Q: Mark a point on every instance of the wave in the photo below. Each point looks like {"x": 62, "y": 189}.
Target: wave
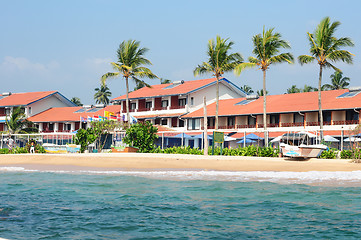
{"x": 311, "y": 177}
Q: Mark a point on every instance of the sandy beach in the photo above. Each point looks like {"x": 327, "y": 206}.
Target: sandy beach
{"x": 143, "y": 161}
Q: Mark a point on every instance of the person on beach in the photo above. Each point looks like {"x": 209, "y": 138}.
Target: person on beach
{"x": 10, "y": 143}
{"x": 32, "y": 147}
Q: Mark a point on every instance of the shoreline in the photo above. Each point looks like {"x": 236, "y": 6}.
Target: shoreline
{"x": 170, "y": 162}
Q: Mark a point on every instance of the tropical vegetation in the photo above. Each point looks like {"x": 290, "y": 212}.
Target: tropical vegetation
{"x": 102, "y": 94}
{"x": 141, "y": 135}
{"x": 266, "y": 49}
{"x": 337, "y": 82}
{"x": 326, "y": 49}
{"x": 247, "y": 89}
{"x": 130, "y": 65}
{"x": 219, "y": 62}
{"x": 17, "y": 123}
{"x": 76, "y": 101}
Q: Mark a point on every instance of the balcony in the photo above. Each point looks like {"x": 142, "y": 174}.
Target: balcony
{"x": 346, "y": 122}
{"x": 144, "y": 109}
{"x": 177, "y": 107}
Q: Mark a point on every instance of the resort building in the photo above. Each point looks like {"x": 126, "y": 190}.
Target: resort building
{"x": 31, "y": 103}
{"x": 165, "y": 104}
{"x": 297, "y": 111}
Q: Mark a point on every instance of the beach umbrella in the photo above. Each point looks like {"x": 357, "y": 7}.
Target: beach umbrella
{"x": 247, "y": 141}
{"x": 182, "y": 135}
{"x": 329, "y": 138}
{"x": 253, "y": 136}
{"x": 200, "y": 136}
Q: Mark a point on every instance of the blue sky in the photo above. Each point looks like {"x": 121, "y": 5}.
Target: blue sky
{"x": 67, "y": 45}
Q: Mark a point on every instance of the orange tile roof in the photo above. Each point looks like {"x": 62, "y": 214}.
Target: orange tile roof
{"x": 296, "y": 102}
{"x": 23, "y": 99}
{"x": 162, "y": 90}
{"x": 63, "y": 114}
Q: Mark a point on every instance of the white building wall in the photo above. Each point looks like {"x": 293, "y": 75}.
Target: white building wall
{"x": 44, "y": 104}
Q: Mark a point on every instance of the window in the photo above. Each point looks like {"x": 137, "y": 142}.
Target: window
{"x": 133, "y": 106}
{"x": 349, "y": 94}
{"x": 275, "y": 118}
{"x": 164, "y": 103}
{"x": 211, "y": 121}
{"x": 244, "y": 102}
{"x": 7, "y": 111}
{"x": 193, "y": 124}
{"x": 148, "y": 105}
{"x": 29, "y": 110}
{"x": 182, "y": 102}
{"x": 192, "y": 101}
{"x": 231, "y": 121}
{"x": 51, "y": 126}
{"x": 164, "y": 121}
{"x": 326, "y": 116}
{"x": 297, "y": 118}
{"x": 351, "y": 115}
{"x": 251, "y": 120}
{"x": 181, "y": 123}
{"x": 67, "y": 126}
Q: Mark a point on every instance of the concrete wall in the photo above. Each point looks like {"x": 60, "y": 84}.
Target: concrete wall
{"x": 311, "y": 117}
{"x": 42, "y": 105}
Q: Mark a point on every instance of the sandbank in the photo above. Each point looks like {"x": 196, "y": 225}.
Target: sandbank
{"x": 147, "y": 162}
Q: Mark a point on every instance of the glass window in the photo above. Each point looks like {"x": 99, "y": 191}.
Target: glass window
{"x": 251, "y": 120}
{"x": 181, "y": 123}
{"x": 231, "y": 121}
{"x": 182, "y": 102}
{"x": 133, "y": 106}
{"x": 148, "y": 105}
{"x": 192, "y": 101}
{"x": 193, "y": 124}
{"x": 164, "y": 103}
{"x": 164, "y": 121}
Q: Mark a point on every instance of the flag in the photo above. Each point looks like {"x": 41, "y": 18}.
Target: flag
{"x": 112, "y": 117}
{"x": 107, "y": 114}
{"x": 133, "y": 119}
{"x": 83, "y": 119}
{"x": 96, "y": 118}
{"x": 90, "y": 119}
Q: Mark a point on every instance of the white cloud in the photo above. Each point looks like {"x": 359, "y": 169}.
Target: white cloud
{"x": 14, "y": 64}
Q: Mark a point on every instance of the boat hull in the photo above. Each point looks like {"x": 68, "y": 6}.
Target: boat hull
{"x": 306, "y": 151}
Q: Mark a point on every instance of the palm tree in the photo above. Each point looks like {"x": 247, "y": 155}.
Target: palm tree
{"x": 308, "y": 88}
{"x": 130, "y": 64}
{"x": 338, "y": 82}
{"x": 76, "y": 101}
{"x": 293, "y": 89}
{"x": 260, "y": 92}
{"x": 102, "y": 95}
{"x": 326, "y": 48}
{"x": 267, "y": 51}
{"x": 164, "y": 81}
{"x": 247, "y": 89}
{"x": 18, "y": 122}
{"x": 219, "y": 61}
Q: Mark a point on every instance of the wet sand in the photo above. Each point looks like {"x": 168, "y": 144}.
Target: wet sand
{"x": 146, "y": 162}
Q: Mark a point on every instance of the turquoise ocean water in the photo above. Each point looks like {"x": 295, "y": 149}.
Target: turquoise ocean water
{"x": 179, "y": 205}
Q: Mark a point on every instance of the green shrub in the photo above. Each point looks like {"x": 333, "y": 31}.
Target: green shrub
{"x": 329, "y": 154}
{"x": 346, "y": 154}
{"x": 142, "y": 136}
{"x": 19, "y": 150}
{"x": 4, "y": 151}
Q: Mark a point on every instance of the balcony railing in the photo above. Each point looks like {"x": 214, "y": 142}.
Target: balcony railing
{"x": 346, "y": 122}
{"x": 144, "y": 109}
{"x": 177, "y": 107}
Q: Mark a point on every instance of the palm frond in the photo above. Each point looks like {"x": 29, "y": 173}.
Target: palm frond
{"x": 304, "y": 59}
{"x": 240, "y": 67}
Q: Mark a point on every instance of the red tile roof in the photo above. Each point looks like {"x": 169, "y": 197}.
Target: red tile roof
{"x": 296, "y": 102}
{"x": 23, "y": 99}
{"x": 162, "y": 90}
{"x": 64, "y": 114}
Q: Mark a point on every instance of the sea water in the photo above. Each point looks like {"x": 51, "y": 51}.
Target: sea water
{"x": 179, "y": 205}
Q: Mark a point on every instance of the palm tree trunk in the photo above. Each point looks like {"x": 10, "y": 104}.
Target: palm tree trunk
{"x": 264, "y": 109}
{"x": 319, "y": 103}
{"x": 127, "y": 100}
{"x": 217, "y": 102}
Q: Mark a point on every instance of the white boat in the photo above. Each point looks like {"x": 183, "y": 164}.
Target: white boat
{"x": 301, "y": 145}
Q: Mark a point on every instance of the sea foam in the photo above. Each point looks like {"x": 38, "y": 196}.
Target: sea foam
{"x": 311, "y": 177}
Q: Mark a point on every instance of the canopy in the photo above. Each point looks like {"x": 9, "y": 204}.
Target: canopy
{"x": 200, "y": 136}
{"x": 227, "y": 139}
{"x": 352, "y": 139}
{"x": 276, "y": 139}
{"x": 253, "y": 136}
{"x": 329, "y": 138}
{"x": 247, "y": 141}
{"x": 182, "y": 135}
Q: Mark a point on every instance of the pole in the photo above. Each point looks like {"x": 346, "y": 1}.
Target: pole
{"x": 342, "y": 139}
{"x": 205, "y": 134}
{"x": 162, "y": 140}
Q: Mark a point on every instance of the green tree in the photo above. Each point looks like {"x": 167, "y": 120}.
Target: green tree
{"x": 76, "y": 101}
{"x": 104, "y": 128}
{"x": 308, "y": 88}
{"x": 130, "y": 64}
{"x": 260, "y": 92}
{"x": 164, "y": 81}
{"x": 18, "y": 122}
{"x": 293, "y": 89}
{"x": 325, "y": 48}
{"x": 267, "y": 51}
{"x": 84, "y": 137}
{"x": 337, "y": 81}
{"x": 142, "y": 136}
{"x": 102, "y": 94}
{"x": 219, "y": 61}
{"x": 247, "y": 89}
